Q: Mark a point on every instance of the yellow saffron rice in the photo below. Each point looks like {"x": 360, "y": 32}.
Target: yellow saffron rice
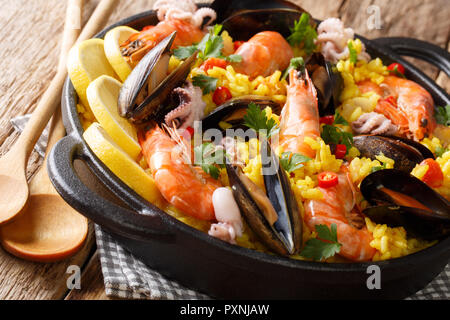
{"x": 389, "y": 242}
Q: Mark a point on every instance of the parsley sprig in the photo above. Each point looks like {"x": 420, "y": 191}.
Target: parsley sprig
{"x": 335, "y": 135}
{"x": 210, "y": 158}
{"x": 206, "y": 83}
{"x": 324, "y": 246}
{"x": 303, "y": 33}
{"x": 296, "y": 63}
{"x": 353, "y": 53}
{"x": 439, "y": 151}
{"x": 378, "y": 168}
{"x": 291, "y": 162}
{"x": 442, "y": 115}
{"x": 211, "y": 46}
{"x": 257, "y": 120}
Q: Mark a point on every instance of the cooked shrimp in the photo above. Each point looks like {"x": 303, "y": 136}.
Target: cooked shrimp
{"x": 406, "y": 104}
{"x": 139, "y": 44}
{"x": 300, "y": 119}
{"x": 186, "y": 187}
{"x": 264, "y": 54}
{"x": 336, "y": 208}
{"x": 300, "y": 115}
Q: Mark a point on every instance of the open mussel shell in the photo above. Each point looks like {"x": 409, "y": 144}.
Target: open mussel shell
{"x": 283, "y": 236}
{"x": 232, "y": 112}
{"x": 328, "y": 82}
{"x": 432, "y": 221}
{"x": 148, "y": 86}
{"x": 406, "y": 153}
{"x": 227, "y": 8}
{"x": 245, "y": 24}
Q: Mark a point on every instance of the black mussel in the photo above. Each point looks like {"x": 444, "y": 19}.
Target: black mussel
{"x": 272, "y": 215}
{"x": 245, "y": 24}
{"x": 148, "y": 86}
{"x": 399, "y": 199}
{"x": 406, "y": 153}
{"x": 426, "y": 153}
{"x": 227, "y": 8}
{"x": 328, "y": 82}
{"x": 231, "y": 114}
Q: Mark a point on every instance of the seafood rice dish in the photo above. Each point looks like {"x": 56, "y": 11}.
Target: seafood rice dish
{"x": 275, "y": 134}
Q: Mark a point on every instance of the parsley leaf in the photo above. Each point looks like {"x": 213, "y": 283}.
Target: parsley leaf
{"x": 296, "y": 63}
{"x": 291, "y": 162}
{"x": 233, "y": 58}
{"x": 442, "y": 115}
{"x": 207, "y": 84}
{"x": 338, "y": 119}
{"x": 334, "y": 135}
{"x": 208, "y": 156}
{"x": 211, "y": 46}
{"x": 256, "y": 119}
{"x": 184, "y": 52}
{"x": 353, "y": 53}
{"x": 378, "y": 168}
{"x": 318, "y": 249}
{"x": 439, "y": 151}
{"x": 303, "y": 33}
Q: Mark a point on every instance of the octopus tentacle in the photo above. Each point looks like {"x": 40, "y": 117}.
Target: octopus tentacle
{"x": 191, "y": 107}
{"x": 184, "y": 10}
{"x": 333, "y": 37}
{"x": 374, "y": 123}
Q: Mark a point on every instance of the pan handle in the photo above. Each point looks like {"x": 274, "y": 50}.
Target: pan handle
{"x": 418, "y": 49}
{"x": 141, "y": 226}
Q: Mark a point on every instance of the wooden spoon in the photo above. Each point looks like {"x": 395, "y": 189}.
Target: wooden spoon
{"x": 13, "y": 182}
{"x": 48, "y": 229}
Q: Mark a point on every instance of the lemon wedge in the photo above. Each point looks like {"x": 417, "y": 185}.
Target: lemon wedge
{"x": 113, "y": 40}
{"x": 86, "y": 62}
{"x": 120, "y": 163}
{"x": 102, "y": 95}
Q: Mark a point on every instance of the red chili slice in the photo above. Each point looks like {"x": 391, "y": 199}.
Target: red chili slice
{"x": 237, "y": 44}
{"x": 341, "y": 151}
{"x": 213, "y": 62}
{"x": 327, "y": 120}
{"x": 328, "y": 180}
{"x": 190, "y": 130}
{"x": 221, "y": 95}
{"x": 397, "y": 67}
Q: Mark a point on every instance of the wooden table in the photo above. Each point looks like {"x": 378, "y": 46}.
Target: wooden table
{"x": 31, "y": 30}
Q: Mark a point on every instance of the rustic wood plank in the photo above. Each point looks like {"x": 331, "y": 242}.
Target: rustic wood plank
{"x": 24, "y": 280}
{"x": 92, "y": 287}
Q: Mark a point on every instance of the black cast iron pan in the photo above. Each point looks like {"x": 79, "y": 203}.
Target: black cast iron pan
{"x": 219, "y": 269}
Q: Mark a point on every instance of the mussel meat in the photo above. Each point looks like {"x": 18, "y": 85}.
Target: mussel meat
{"x": 273, "y": 215}
{"x": 328, "y": 82}
{"x": 232, "y": 112}
{"x": 399, "y": 199}
{"x": 406, "y": 153}
{"x": 148, "y": 86}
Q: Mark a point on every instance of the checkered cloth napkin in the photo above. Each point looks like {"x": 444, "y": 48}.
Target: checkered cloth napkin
{"x": 125, "y": 276}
